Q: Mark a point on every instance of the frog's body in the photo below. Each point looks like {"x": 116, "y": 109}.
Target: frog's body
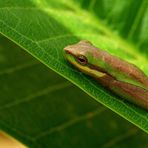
{"x": 120, "y": 76}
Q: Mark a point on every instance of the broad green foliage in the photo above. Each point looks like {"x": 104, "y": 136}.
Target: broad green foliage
{"x": 41, "y": 109}
{"x": 38, "y": 106}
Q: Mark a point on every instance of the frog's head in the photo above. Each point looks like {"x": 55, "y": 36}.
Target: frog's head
{"x": 82, "y": 53}
{"x": 83, "y": 56}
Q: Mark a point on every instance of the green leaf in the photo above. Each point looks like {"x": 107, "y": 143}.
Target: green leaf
{"x": 41, "y": 109}
{"x": 44, "y": 28}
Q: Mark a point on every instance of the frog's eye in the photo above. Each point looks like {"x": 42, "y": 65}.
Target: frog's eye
{"x": 82, "y": 59}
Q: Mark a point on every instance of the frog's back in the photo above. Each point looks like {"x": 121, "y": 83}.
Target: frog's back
{"x": 126, "y": 68}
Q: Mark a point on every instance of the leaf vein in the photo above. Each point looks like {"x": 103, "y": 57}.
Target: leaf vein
{"x": 18, "y": 67}
{"x": 120, "y": 138}
{"x": 35, "y": 95}
{"x": 68, "y": 124}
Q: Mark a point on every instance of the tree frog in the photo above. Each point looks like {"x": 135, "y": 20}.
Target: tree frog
{"x": 121, "y": 77}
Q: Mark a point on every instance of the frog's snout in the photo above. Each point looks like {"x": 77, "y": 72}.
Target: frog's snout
{"x": 67, "y": 49}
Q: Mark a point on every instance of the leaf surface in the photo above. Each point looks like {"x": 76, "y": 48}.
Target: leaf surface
{"x": 44, "y": 28}
{"x": 41, "y": 109}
